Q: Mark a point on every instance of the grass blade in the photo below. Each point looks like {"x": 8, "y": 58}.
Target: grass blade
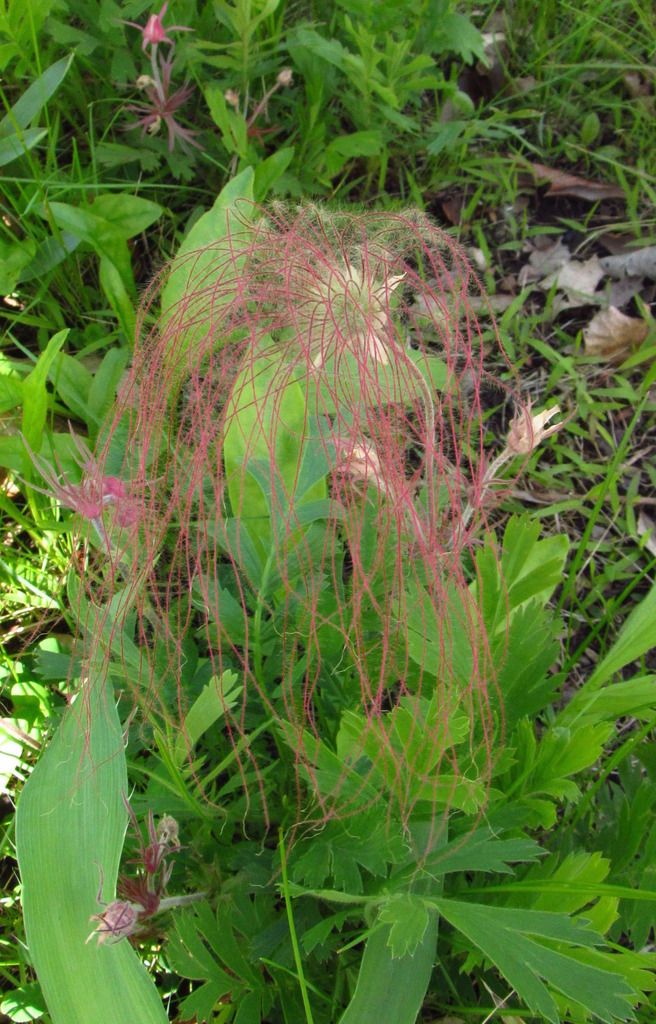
{"x": 392, "y": 988}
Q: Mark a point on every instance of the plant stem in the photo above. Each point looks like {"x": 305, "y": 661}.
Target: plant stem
{"x": 180, "y": 901}
{"x": 292, "y": 932}
{"x": 257, "y": 618}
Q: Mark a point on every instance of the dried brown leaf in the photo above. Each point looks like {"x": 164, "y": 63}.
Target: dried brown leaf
{"x": 452, "y": 209}
{"x": 611, "y": 335}
{"x": 636, "y": 86}
{"x": 579, "y": 279}
{"x": 638, "y": 263}
{"x": 543, "y": 260}
{"x": 618, "y": 293}
{"x": 562, "y": 184}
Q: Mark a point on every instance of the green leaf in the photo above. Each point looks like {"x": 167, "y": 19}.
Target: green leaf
{"x": 70, "y": 826}
{"x": 118, "y": 286}
{"x": 203, "y": 948}
{"x": 72, "y": 382}
{"x": 35, "y": 394}
{"x": 49, "y": 254}
{"x": 232, "y": 209}
{"x": 417, "y": 734}
{"x": 108, "y": 239}
{"x": 268, "y": 171}
{"x": 545, "y": 769}
{"x": 105, "y": 385}
{"x": 23, "y": 1004}
{"x": 440, "y": 636}
{"x": 456, "y": 34}
{"x": 635, "y": 639}
{"x": 15, "y": 255}
{"x": 190, "y": 957}
{"x": 18, "y": 145}
{"x": 530, "y": 569}
{"x": 267, "y": 422}
{"x": 329, "y": 50}
{"x": 348, "y": 147}
{"x": 217, "y": 697}
{"x": 392, "y": 988}
{"x": 483, "y": 851}
{"x": 635, "y": 697}
{"x": 129, "y": 215}
{"x": 520, "y": 944}
{"x": 342, "y": 850}
{"x": 524, "y": 657}
{"x": 34, "y": 99}
{"x": 408, "y": 918}
{"x": 11, "y": 392}
{"x": 231, "y": 123}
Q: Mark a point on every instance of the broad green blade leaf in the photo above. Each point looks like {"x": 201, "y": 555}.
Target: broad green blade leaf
{"x": 483, "y": 851}
{"x": 70, "y": 826}
{"x": 537, "y": 951}
{"x": 217, "y": 697}
{"x": 34, "y": 99}
{"x": 129, "y": 215}
{"x": 267, "y": 424}
{"x": 17, "y": 145}
{"x": 108, "y": 240}
{"x": 636, "y": 697}
{"x": 231, "y": 209}
{"x": 268, "y": 171}
{"x": 35, "y": 395}
{"x": 392, "y": 988}
{"x": 637, "y": 636}
{"x": 113, "y": 283}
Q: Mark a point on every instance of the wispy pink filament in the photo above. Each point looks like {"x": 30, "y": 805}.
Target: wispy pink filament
{"x": 355, "y": 311}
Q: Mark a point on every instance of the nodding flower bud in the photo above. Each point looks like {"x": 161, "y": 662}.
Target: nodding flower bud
{"x": 285, "y": 78}
{"x": 362, "y": 463}
{"x": 144, "y": 82}
{"x": 528, "y": 429}
{"x": 117, "y": 920}
{"x": 167, "y": 833}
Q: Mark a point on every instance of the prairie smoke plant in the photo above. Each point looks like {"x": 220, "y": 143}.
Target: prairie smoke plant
{"x": 162, "y": 105}
{"x": 142, "y": 896}
{"x": 314, "y": 422}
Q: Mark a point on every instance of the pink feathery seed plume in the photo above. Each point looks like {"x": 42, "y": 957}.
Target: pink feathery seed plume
{"x": 332, "y": 362}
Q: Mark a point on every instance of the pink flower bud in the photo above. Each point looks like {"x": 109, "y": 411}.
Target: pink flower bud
{"x": 154, "y": 33}
{"x": 117, "y": 920}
